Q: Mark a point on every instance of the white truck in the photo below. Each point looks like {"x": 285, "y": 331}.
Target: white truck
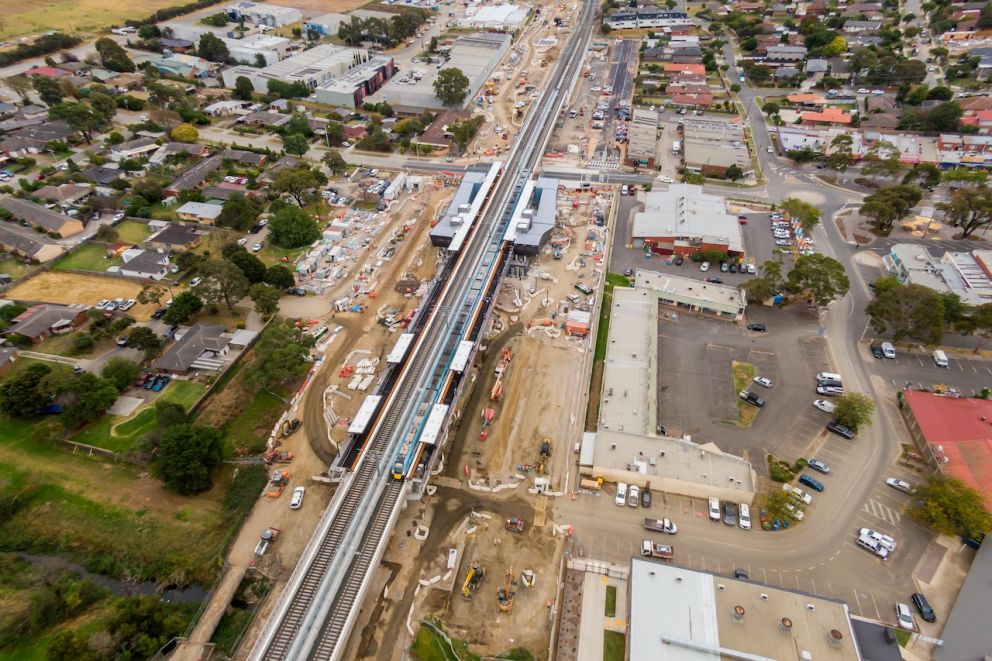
{"x": 662, "y": 551}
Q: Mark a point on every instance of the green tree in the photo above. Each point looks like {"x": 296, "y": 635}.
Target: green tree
{"x": 120, "y": 371}
{"x": 969, "y": 209}
{"x": 889, "y": 204}
{"x": 140, "y": 626}
{"x": 112, "y": 56}
{"x": 854, "y": 410}
{"x": 463, "y": 132}
{"x": 280, "y": 355}
{"x": 297, "y": 124}
{"x": 965, "y": 176}
{"x": 734, "y": 172}
{"x": 948, "y": 506}
{"x": 977, "y": 323}
{"x": 807, "y": 214}
{"x": 279, "y": 277}
{"x": 335, "y": 163}
{"x": 187, "y": 456}
{"x": 243, "y": 89}
{"x": 941, "y": 93}
{"x": 291, "y": 227}
{"x": 294, "y": 143}
{"x": 239, "y": 213}
{"x": 916, "y": 95}
{"x": 768, "y": 284}
{"x": 222, "y": 281}
{"x": 451, "y": 86}
{"x": 103, "y": 105}
{"x": 882, "y": 159}
{"x": 839, "y": 161}
{"x": 820, "y": 278}
{"x": 771, "y": 108}
{"x": 299, "y": 183}
{"x": 184, "y": 306}
{"x": 86, "y": 398}
{"x": 152, "y": 294}
{"x": 925, "y": 174}
{"x": 144, "y": 338}
{"x": 910, "y": 311}
{"x": 266, "y": 299}
{"x": 22, "y": 395}
{"x": 185, "y": 133}
{"x": 78, "y": 116}
{"x": 251, "y": 266}
{"x": 212, "y": 48}
{"x": 954, "y": 308}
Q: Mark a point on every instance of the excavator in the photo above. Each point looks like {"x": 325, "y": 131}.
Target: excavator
{"x": 545, "y": 455}
{"x": 473, "y": 578}
{"x": 504, "y": 596}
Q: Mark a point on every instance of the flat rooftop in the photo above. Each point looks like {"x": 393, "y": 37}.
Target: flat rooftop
{"x": 685, "y": 211}
{"x": 629, "y": 369}
{"x": 679, "y": 288}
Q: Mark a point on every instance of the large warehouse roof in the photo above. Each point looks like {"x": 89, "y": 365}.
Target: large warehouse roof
{"x": 685, "y": 211}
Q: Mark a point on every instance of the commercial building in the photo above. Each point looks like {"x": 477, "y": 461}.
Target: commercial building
{"x": 966, "y": 634}
{"x": 270, "y": 47}
{"x": 684, "y": 221}
{"x": 645, "y": 17}
{"x": 534, "y": 220}
{"x": 40, "y": 216}
{"x": 495, "y": 17}
{"x": 691, "y": 295}
{"x": 326, "y": 25}
{"x": 273, "y": 16}
{"x": 642, "y": 138}
{"x": 351, "y": 88}
{"x": 476, "y": 55}
{"x": 968, "y": 275}
{"x": 954, "y": 436}
{"x": 712, "y": 146}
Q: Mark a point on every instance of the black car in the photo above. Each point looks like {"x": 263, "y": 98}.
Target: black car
{"x": 730, "y": 513}
{"x": 741, "y": 573}
{"x": 876, "y": 351}
{"x": 758, "y": 328}
{"x": 733, "y": 268}
{"x": 297, "y": 291}
{"x": 715, "y": 281}
{"x": 922, "y": 605}
{"x": 158, "y": 314}
{"x": 840, "y": 429}
{"x": 678, "y": 261}
{"x": 752, "y": 399}
{"x": 645, "y": 497}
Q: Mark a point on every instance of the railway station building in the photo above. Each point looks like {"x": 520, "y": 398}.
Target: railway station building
{"x": 456, "y": 216}
{"x": 533, "y": 223}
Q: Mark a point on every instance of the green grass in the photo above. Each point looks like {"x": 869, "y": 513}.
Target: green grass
{"x": 273, "y": 255}
{"x": 743, "y": 375}
{"x": 251, "y": 428}
{"x": 230, "y": 628}
{"x": 133, "y": 231}
{"x": 611, "y": 601}
{"x": 139, "y": 424}
{"x": 87, "y": 257}
{"x": 614, "y": 646}
{"x": 902, "y": 636}
{"x": 13, "y": 267}
{"x": 184, "y": 393}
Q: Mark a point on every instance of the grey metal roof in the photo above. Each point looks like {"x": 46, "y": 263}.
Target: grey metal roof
{"x": 544, "y": 206}
{"x": 872, "y": 642}
{"x": 28, "y": 245}
{"x": 174, "y": 235}
{"x": 198, "y": 339}
{"x": 35, "y": 214}
{"x": 445, "y": 229}
{"x": 967, "y": 635}
{"x": 194, "y": 176}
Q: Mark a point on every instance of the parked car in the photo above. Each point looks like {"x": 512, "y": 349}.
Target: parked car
{"x": 297, "y": 501}
{"x": 705, "y": 266}
{"x": 646, "y": 497}
{"x": 888, "y": 350}
{"x": 818, "y": 466}
{"x": 763, "y": 381}
{"x": 634, "y": 495}
{"x": 757, "y": 327}
{"x": 752, "y": 398}
{"x": 887, "y": 541}
{"x": 730, "y": 513}
{"x": 829, "y": 391}
{"x": 873, "y": 546}
{"x": 923, "y": 606}
{"x": 297, "y": 291}
{"x": 839, "y": 429}
{"x": 744, "y": 516}
{"x": 142, "y": 380}
{"x": 876, "y": 351}
{"x": 714, "y": 508}
{"x": 256, "y": 247}
{"x": 824, "y": 405}
{"x": 904, "y": 618}
{"x": 714, "y": 280}
{"x": 158, "y": 314}
{"x": 195, "y": 282}
{"x": 812, "y": 483}
{"x": 900, "y": 485}
{"x": 102, "y": 305}
{"x": 621, "y": 498}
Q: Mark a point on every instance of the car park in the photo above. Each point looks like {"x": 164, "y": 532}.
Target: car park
{"x": 899, "y": 485}
{"x": 839, "y": 429}
{"x": 923, "y": 607}
{"x": 904, "y": 618}
{"x": 621, "y": 499}
{"x": 297, "y": 501}
{"x": 886, "y": 541}
{"x": 714, "y": 508}
{"x": 730, "y": 513}
{"x": 810, "y": 482}
{"x": 744, "y": 516}
{"x": 781, "y": 242}
{"x": 763, "y": 381}
{"x": 824, "y": 405}
{"x": 818, "y": 466}
{"x": 757, "y": 327}
{"x": 634, "y": 495}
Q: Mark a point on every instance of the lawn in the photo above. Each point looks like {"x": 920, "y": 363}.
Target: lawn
{"x": 133, "y": 231}
{"x": 28, "y": 17}
{"x": 743, "y": 375}
{"x": 13, "y": 267}
{"x": 184, "y": 393}
{"x": 252, "y": 426}
{"x": 611, "y": 601}
{"x": 614, "y": 646}
{"x": 87, "y": 257}
{"x": 271, "y": 254}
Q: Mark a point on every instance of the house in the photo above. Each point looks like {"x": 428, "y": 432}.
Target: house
{"x": 785, "y": 73}
{"x": 197, "y": 347}
{"x": 225, "y": 108}
{"x": 200, "y": 212}
{"x": 43, "y": 217}
{"x": 7, "y": 110}
{"x": 817, "y": 65}
{"x": 132, "y": 149}
{"x": 101, "y": 175}
{"x": 195, "y": 175}
{"x": 183, "y": 149}
{"x": 827, "y": 116}
{"x": 437, "y": 136}
{"x": 265, "y": 118}
{"x": 40, "y": 322}
{"x": 243, "y": 157}
{"x": 693, "y": 70}
{"x": 183, "y": 66}
{"x": 880, "y": 122}
{"x": 785, "y": 54}
{"x": 47, "y": 72}
{"x": 287, "y": 161}
{"x": 144, "y": 264}
{"x": 176, "y": 45}
{"x": 28, "y": 244}
{"x": 64, "y": 194}
{"x": 32, "y": 135}
{"x": 174, "y": 238}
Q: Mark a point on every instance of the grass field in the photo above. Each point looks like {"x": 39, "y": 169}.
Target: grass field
{"x": 23, "y": 17}
{"x": 13, "y": 267}
{"x": 743, "y": 375}
{"x": 252, "y": 427}
{"x": 87, "y": 257}
{"x": 65, "y": 288}
{"x": 132, "y": 231}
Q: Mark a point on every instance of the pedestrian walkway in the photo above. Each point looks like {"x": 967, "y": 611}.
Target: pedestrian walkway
{"x": 196, "y": 646}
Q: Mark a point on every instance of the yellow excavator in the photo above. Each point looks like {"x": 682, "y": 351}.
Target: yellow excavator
{"x": 473, "y": 578}
{"x": 504, "y": 596}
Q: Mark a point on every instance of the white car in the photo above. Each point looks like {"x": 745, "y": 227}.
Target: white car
{"x": 899, "y": 485}
{"x": 863, "y": 91}
{"x": 888, "y": 350}
{"x": 705, "y": 266}
{"x": 665, "y": 179}
{"x": 242, "y": 241}
{"x": 128, "y": 304}
{"x": 634, "y": 496}
{"x": 621, "y": 498}
{"x": 888, "y": 542}
{"x": 119, "y": 216}
{"x": 111, "y": 306}
{"x": 796, "y": 514}
{"x": 824, "y": 405}
{"x": 297, "y": 501}
{"x": 770, "y": 149}
{"x": 195, "y": 282}
{"x": 763, "y": 381}
{"x": 873, "y": 546}
{"x": 374, "y": 172}
{"x": 781, "y": 242}
{"x": 744, "y": 516}
{"x": 798, "y": 494}
{"x": 904, "y": 617}
{"x": 256, "y": 247}
{"x": 714, "y": 508}
{"x": 102, "y": 305}
{"x": 752, "y": 269}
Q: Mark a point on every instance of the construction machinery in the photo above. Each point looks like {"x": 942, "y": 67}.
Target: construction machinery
{"x": 515, "y": 524}
{"x": 504, "y": 595}
{"x": 277, "y": 456}
{"x": 278, "y": 482}
{"x": 527, "y": 578}
{"x": 290, "y": 426}
{"x": 268, "y": 536}
{"x": 545, "y": 454}
{"x": 473, "y": 579}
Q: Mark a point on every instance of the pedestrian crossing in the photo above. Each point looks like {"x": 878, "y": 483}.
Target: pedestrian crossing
{"x": 883, "y": 512}
{"x": 603, "y": 165}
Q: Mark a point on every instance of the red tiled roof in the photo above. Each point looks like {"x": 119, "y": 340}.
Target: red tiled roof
{"x": 962, "y": 427}
{"x": 48, "y": 72}
{"x": 830, "y": 115}
{"x": 695, "y": 69}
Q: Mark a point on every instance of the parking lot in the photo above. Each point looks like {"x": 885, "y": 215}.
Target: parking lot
{"x": 916, "y": 369}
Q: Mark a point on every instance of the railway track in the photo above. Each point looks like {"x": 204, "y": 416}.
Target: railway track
{"x": 314, "y": 618}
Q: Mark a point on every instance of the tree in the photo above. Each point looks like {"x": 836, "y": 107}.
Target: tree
{"x": 854, "y": 409}
{"x": 222, "y": 281}
{"x": 768, "y": 284}
{"x": 882, "y": 159}
{"x": 120, "y": 371}
{"x": 821, "y": 278}
{"x": 965, "y": 176}
{"x": 86, "y": 397}
{"x": 251, "y": 266}
{"x": 978, "y": 323}
{"x": 212, "y": 48}
{"x": 297, "y": 182}
{"x": 78, "y": 116}
{"x": 185, "y": 133}
{"x": 243, "y": 89}
{"x": 22, "y": 395}
{"x": 463, "y": 132}
{"x": 294, "y": 143}
{"x": 103, "y": 105}
{"x": 969, "y": 209}
{"x": 112, "y": 56}
{"x": 771, "y": 108}
{"x": 734, "y": 172}
{"x": 807, "y": 214}
{"x": 184, "y": 306}
{"x": 451, "y": 86}
{"x": 239, "y": 213}
{"x": 280, "y": 355}
{"x": 948, "y": 506}
{"x": 941, "y": 93}
{"x": 279, "y": 277}
{"x": 926, "y": 174}
{"x": 297, "y": 124}
{"x": 151, "y": 294}
{"x": 187, "y": 456}
{"x": 839, "y": 161}
{"x": 889, "y": 204}
{"x": 292, "y": 228}
{"x": 335, "y": 163}
{"x": 144, "y": 338}
{"x": 910, "y": 311}
{"x": 48, "y": 89}
{"x": 22, "y": 86}
{"x": 266, "y": 299}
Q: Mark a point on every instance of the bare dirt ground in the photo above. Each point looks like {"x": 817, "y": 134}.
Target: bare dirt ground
{"x": 69, "y": 288}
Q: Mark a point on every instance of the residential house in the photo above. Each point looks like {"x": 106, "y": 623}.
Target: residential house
{"x": 28, "y": 244}
{"x": 225, "y": 108}
{"x": 826, "y": 117}
{"x": 47, "y": 72}
{"x": 816, "y": 66}
{"x": 65, "y": 194}
{"x": 40, "y": 322}
{"x": 265, "y": 118}
{"x": 785, "y": 73}
{"x": 856, "y": 27}
{"x": 33, "y": 136}
{"x": 201, "y": 346}
{"x": 243, "y": 157}
{"x": 437, "y": 136}
{"x": 7, "y": 357}
{"x": 692, "y": 70}
{"x": 200, "y": 212}
{"x": 195, "y": 175}
{"x": 174, "y": 238}
{"x": 287, "y": 161}
{"x": 791, "y": 54}
{"x": 104, "y": 176}
{"x": 144, "y": 264}
{"x": 43, "y": 217}
{"x": 183, "y": 149}
{"x": 840, "y": 68}
{"x": 354, "y": 132}
{"x": 880, "y": 122}
{"x": 7, "y": 110}
{"x": 133, "y": 149}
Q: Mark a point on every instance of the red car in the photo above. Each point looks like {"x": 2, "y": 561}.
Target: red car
{"x": 142, "y": 379}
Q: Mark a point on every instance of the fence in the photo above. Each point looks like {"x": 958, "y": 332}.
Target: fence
{"x": 92, "y": 450}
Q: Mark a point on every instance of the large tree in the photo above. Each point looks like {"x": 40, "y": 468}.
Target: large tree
{"x": 184, "y": 305}
{"x": 279, "y": 277}
{"x": 978, "y": 323}
{"x": 78, "y": 116}
{"x": 854, "y": 409}
{"x": 112, "y": 56}
{"x": 243, "y": 89}
{"x": 882, "y": 159}
{"x": 295, "y": 143}
{"x": 187, "y": 456}
{"x": 969, "y": 208}
{"x": 889, "y": 204}
{"x": 266, "y": 299}
{"x": 293, "y": 228}
{"x": 103, "y": 105}
{"x": 21, "y": 396}
{"x": 223, "y": 282}
{"x": 768, "y": 284}
{"x": 185, "y": 133}
{"x": 120, "y": 371}
{"x": 212, "y": 48}
{"x": 252, "y": 267}
{"x": 280, "y": 355}
{"x": 820, "y": 278}
{"x": 335, "y": 163}
{"x": 298, "y": 182}
{"x": 451, "y": 86}
{"x": 949, "y": 507}
{"x": 807, "y": 214}
{"x": 910, "y": 311}
{"x": 239, "y": 213}
{"x": 86, "y": 397}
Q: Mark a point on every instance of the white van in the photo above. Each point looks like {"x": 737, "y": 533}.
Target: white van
{"x": 714, "y": 508}
{"x": 940, "y": 358}
{"x": 621, "y": 494}
{"x": 828, "y": 376}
